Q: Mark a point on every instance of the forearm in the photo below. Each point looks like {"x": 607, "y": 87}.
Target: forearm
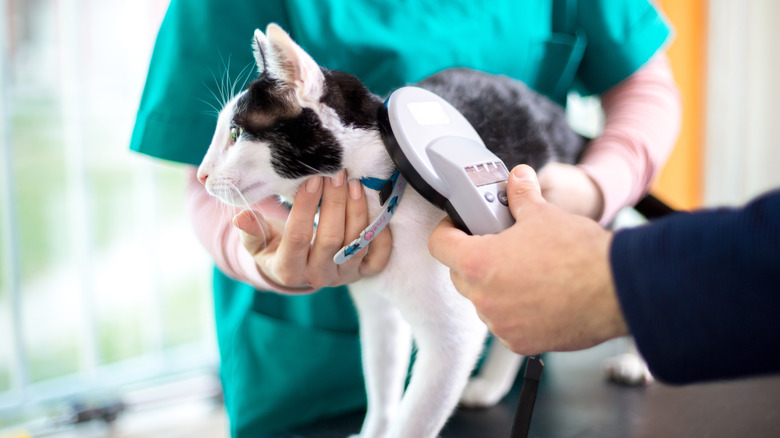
{"x": 700, "y": 291}
{"x": 212, "y": 224}
{"x": 641, "y": 124}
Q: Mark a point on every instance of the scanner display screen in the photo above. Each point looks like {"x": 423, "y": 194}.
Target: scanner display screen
{"x": 487, "y": 173}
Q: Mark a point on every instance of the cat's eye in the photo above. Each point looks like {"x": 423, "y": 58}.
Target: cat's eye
{"x": 235, "y": 132}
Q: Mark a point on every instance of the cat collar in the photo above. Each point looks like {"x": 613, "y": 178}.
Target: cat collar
{"x": 390, "y": 191}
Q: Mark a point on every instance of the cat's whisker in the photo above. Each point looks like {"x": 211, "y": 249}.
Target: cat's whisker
{"x": 224, "y": 209}
{"x": 216, "y": 81}
{"x": 242, "y": 73}
{"x": 225, "y": 83}
{"x": 214, "y": 110}
{"x": 214, "y": 95}
{"x": 225, "y": 88}
{"x": 221, "y": 89}
{"x": 219, "y": 103}
{"x": 251, "y": 210}
{"x": 228, "y": 211}
{"x": 314, "y": 170}
{"x": 222, "y": 98}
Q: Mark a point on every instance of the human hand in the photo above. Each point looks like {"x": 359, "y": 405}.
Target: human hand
{"x": 570, "y": 188}
{"x": 295, "y": 257}
{"x": 545, "y": 283}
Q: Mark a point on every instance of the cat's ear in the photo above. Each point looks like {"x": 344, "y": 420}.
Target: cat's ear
{"x": 262, "y": 51}
{"x": 300, "y": 71}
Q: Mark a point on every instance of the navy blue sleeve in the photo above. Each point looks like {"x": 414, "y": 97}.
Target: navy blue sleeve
{"x": 701, "y": 291}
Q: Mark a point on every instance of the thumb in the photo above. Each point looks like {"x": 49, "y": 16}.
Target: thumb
{"x": 444, "y": 242}
{"x": 254, "y": 230}
{"x": 523, "y": 189}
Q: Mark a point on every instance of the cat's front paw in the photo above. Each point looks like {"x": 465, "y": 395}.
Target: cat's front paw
{"x": 628, "y": 370}
{"x": 481, "y": 393}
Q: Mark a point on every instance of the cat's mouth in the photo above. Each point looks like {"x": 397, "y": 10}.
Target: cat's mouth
{"x": 230, "y": 194}
{"x": 252, "y": 187}
{"x": 253, "y": 192}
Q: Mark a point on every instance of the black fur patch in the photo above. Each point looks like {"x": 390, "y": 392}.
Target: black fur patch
{"x": 301, "y": 146}
{"x": 355, "y": 105}
{"x": 265, "y": 100}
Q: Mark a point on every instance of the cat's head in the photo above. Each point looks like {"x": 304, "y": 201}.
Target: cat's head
{"x": 295, "y": 120}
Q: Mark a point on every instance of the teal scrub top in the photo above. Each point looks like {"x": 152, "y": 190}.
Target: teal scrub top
{"x": 290, "y": 360}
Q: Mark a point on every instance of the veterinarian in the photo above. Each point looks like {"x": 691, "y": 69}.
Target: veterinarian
{"x": 699, "y": 292}
{"x": 288, "y": 360}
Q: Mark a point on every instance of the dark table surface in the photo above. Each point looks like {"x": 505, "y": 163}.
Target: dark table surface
{"x": 574, "y": 400}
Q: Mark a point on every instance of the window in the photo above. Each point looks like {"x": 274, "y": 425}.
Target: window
{"x": 102, "y": 283}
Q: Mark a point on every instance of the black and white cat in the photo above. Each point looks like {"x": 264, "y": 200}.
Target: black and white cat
{"x": 297, "y": 120}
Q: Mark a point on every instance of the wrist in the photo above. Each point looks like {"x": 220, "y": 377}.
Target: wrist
{"x": 595, "y": 206}
{"x": 278, "y": 287}
{"x": 572, "y": 189}
{"x": 614, "y": 322}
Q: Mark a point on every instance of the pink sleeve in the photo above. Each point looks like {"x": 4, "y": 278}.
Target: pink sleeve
{"x": 213, "y": 226}
{"x": 641, "y": 124}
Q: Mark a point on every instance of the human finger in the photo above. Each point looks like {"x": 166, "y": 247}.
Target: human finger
{"x": 356, "y": 220}
{"x": 333, "y": 213}
{"x": 523, "y": 189}
{"x": 255, "y": 232}
{"x": 329, "y": 236}
{"x": 378, "y": 254}
{"x": 445, "y": 242}
{"x": 294, "y": 247}
{"x": 462, "y": 286}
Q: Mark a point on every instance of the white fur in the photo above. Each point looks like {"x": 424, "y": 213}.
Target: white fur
{"x": 358, "y": 156}
{"x": 629, "y": 368}
{"x": 498, "y": 374}
{"x": 412, "y": 298}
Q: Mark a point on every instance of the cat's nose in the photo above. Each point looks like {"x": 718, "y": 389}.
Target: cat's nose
{"x": 202, "y": 177}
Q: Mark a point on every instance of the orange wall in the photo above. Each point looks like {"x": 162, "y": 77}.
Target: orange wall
{"x": 680, "y": 182}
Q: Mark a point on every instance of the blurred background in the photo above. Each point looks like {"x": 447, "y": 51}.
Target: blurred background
{"x": 105, "y": 293}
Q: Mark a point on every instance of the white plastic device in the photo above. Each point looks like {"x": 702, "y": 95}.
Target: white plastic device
{"x": 442, "y": 156}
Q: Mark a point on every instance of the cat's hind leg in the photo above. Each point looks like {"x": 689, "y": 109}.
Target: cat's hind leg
{"x": 385, "y": 341}
{"x": 495, "y": 378}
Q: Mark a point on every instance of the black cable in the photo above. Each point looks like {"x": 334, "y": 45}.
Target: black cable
{"x": 525, "y": 407}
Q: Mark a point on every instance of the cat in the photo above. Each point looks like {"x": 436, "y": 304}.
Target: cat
{"x": 296, "y": 120}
